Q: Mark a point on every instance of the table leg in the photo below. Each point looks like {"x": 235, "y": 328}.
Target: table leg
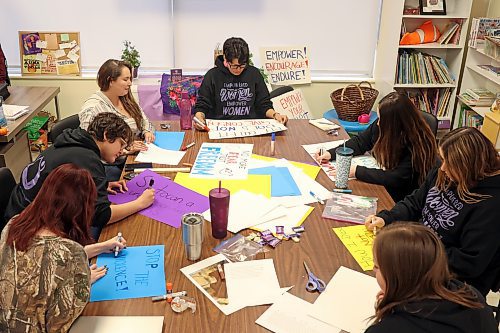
{"x": 56, "y": 101}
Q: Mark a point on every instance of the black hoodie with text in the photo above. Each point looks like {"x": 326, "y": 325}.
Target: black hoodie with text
{"x": 72, "y": 146}
{"x": 223, "y": 95}
{"x": 469, "y": 232}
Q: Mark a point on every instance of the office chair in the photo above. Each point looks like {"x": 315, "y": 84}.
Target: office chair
{"x": 8, "y": 183}
{"x": 68, "y": 122}
{"x": 280, "y": 91}
{"x": 432, "y": 121}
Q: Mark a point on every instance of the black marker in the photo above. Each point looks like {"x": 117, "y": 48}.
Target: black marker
{"x": 151, "y": 183}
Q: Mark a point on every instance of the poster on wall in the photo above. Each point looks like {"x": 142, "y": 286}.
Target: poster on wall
{"x": 286, "y": 65}
{"x": 50, "y": 53}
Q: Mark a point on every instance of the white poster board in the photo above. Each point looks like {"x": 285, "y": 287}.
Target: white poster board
{"x": 222, "y": 161}
{"x": 293, "y": 104}
{"x": 222, "y": 129}
{"x": 286, "y": 64}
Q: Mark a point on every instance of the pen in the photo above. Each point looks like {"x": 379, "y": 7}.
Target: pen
{"x": 316, "y": 197}
{"x": 188, "y": 146}
{"x": 117, "y": 248}
{"x": 374, "y": 228}
{"x": 174, "y": 169}
{"x": 321, "y": 151}
{"x": 338, "y": 190}
{"x": 172, "y": 295}
{"x": 273, "y": 140}
{"x": 199, "y": 122}
{"x": 151, "y": 183}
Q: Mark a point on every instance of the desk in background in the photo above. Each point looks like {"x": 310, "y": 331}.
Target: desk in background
{"x": 323, "y": 251}
{"x": 14, "y": 147}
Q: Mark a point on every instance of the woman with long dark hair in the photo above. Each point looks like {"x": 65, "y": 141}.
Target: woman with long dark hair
{"x": 401, "y": 142}
{"x": 418, "y": 294}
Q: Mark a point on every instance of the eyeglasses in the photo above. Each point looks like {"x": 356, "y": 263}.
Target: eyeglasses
{"x": 242, "y": 66}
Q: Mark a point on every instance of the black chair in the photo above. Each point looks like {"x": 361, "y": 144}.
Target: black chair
{"x": 8, "y": 183}
{"x": 69, "y": 122}
{"x": 280, "y": 91}
{"x": 432, "y": 121}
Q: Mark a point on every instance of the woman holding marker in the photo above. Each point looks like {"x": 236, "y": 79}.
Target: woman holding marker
{"x": 401, "y": 142}
{"x": 459, "y": 201}
{"x": 420, "y": 295}
{"x": 234, "y": 89}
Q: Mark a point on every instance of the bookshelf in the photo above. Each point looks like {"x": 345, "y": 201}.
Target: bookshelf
{"x": 388, "y": 68}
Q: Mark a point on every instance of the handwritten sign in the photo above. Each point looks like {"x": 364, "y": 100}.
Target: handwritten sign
{"x": 222, "y": 161}
{"x": 136, "y": 272}
{"x": 286, "y": 65}
{"x": 359, "y": 242}
{"x": 171, "y": 199}
{"x": 222, "y": 129}
{"x": 293, "y": 104}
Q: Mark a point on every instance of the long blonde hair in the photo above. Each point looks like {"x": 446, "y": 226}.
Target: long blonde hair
{"x": 469, "y": 157}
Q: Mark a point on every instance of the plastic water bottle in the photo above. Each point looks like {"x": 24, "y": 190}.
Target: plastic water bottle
{"x": 3, "y": 120}
{"x": 185, "y": 110}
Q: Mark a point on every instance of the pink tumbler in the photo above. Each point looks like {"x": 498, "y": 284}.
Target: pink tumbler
{"x": 185, "y": 106}
{"x": 219, "y": 211}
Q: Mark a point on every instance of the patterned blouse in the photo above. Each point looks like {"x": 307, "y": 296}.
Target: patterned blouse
{"x": 45, "y": 288}
{"x": 98, "y": 103}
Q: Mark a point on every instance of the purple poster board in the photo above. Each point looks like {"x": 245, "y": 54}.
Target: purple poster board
{"x": 171, "y": 199}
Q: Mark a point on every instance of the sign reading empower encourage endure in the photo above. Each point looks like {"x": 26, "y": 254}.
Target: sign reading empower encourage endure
{"x": 286, "y": 64}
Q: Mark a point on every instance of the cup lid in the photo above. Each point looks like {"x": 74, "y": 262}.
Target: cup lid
{"x": 344, "y": 151}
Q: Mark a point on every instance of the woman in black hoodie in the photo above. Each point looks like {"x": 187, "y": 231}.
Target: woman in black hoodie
{"x": 418, "y": 293}
{"x": 460, "y": 201}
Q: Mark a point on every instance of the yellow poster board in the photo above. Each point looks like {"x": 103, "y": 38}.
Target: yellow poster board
{"x": 359, "y": 242}
{"x": 50, "y": 53}
{"x": 309, "y": 169}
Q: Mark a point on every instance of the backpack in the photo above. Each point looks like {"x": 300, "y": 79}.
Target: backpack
{"x": 4, "y": 76}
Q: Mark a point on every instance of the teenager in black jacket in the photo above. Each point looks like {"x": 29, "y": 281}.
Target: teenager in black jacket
{"x": 401, "y": 142}
{"x": 233, "y": 89}
{"x": 460, "y": 201}
{"x": 418, "y": 293}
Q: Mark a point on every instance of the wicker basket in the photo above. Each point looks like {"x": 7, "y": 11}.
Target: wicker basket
{"x": 352, "y": 101}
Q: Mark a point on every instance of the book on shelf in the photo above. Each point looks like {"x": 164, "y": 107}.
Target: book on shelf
{"x": 481, "y": 94}
{"x": 451, "y": 34}
{"x": 350, "y": 208}
{"x": 431, "y": 100}
{"x": 420, "y": 68}
{"x": 471, "y": 119}
{"x": 480, "y": 28}
{"x": 490, "y": 68}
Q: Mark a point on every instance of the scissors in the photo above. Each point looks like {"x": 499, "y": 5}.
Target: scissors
{"x": 314, "y": 283}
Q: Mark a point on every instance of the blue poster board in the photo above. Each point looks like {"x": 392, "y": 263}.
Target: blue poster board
{"x": 136, "y": 272}
{"x": 169, "y": 140}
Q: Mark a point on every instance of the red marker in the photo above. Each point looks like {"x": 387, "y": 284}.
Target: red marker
{"x": 188, "y": 146}
{"x": 199, "y": 122}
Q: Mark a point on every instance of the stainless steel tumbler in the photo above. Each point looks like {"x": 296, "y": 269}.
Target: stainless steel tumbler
{"x": 192, "y": 234}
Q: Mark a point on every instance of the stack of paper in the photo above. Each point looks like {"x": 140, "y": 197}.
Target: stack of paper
{"x": 12, "y": 112}
{"x": 324, "y": 124}
{"x": 158, "y": 155}
{"x": 282, "y": 182}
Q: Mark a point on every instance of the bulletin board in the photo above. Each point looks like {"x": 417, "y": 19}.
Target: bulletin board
{"x": 50, "y": 53}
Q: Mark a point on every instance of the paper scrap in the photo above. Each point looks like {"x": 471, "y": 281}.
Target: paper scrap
{"x": 359, "y": 241}
{"x": 51, "y": 40}
{"x": 158, "y": 155}
{"x": 41, "y": 44}
{"x": 41, "y": 56}
{"x": 64, "y": 37}
{"x": 59, "y": 53}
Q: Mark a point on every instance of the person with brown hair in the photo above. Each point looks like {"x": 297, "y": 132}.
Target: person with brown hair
{"x": 45, "y": 276}
{"x": 460, "y": 201}
{"x": 401, "y": 142}
{"x": 418, "y": 293}
{"x": 104, "y": 140}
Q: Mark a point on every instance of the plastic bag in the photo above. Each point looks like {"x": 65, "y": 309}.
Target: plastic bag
{"x": 238, "y": 248}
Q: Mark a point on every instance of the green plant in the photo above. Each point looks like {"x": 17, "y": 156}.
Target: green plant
{"x": 261, "y": 70}
{"x": 130, "y": 54}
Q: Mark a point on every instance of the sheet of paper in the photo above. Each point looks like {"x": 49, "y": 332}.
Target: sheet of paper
{"x": 41, "y": 56}
{"x": 66, "y": 67}
{"x": 41, "y": 44}
{"x": 137, "y": 271}
{"x": 171, "y": 199}
{"x": 11, "y": 110}
{"x": 254, "y": 183}
{"x": 222, "y": 161}
{"x": 294, "y": 217}
{"x": 64, "y": 46}
{"x": 242, "y": 212}
{"x": 51, "y": 40}
{"x": 223, "y": 129}
{"x": 169, "y": 140}
{"x": 204, "y": 274}
{"x": 311, "y": 170}
{"x": 282, "y": 183}
{"x": 64, "y": 37}
{"x": 252, "y": 282}
{"x": 73, "y": 56}
{"x": 289, "y": 314}
{"x": 155, "y": 154}
{"x": 126, "y": 324}
{"x": 359, "y": 241}
{"x": 59, "y": 53}
{"x": 347, "y": 302}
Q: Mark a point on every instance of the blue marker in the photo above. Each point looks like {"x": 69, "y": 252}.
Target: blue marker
{"x": 273, "y": 140}
{"x": 318, "y": 199}
{"x": 338, "y": 190}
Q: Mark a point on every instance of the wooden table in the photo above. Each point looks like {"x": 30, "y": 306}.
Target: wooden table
{"x": 14, "y": 147}
{"x": 319, "y": 245}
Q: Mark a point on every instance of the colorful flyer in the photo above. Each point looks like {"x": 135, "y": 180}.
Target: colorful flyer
{"x": 29, "y": 43}
{"x": 31, "y": 65}
{"x": 222, "y": 161}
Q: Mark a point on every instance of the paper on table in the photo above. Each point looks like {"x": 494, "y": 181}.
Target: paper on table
{"x": 242, "y": 212}
{"x": 169, "y": 140}
{"x": 282, "y": 183}
{"x": 289, "y": 314}
{"x": 359, "y": 241}
{"x": 252, "y": 282}
{"x": 294, "y": 217}
{"x": 261, "y": 161}
{"x": 12, "y": 112}
{"x": 155, "y": 154}
{"x": 347, "y": 302}
{"x": 126, "y": 324}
